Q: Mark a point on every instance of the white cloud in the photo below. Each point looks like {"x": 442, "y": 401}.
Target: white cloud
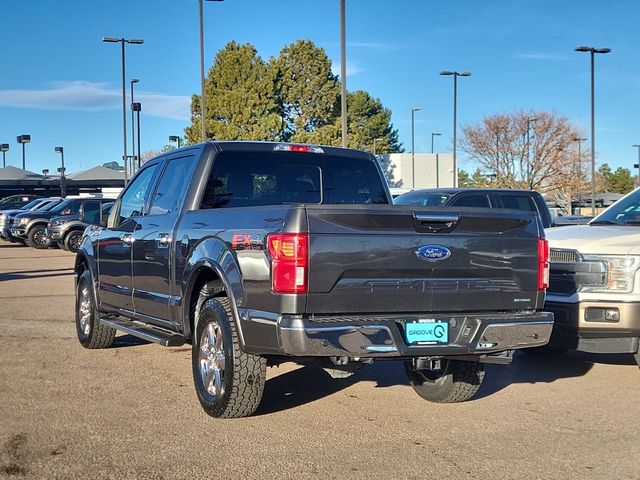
{"x": 94, "y": 96}
{"x": 352, "y": 68}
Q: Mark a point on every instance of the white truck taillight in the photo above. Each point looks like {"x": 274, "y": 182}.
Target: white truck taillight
{"x": 289, "y": 262}
{"x": 543, "y": 264}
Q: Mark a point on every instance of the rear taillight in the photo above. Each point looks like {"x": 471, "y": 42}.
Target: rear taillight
{"x": 289, "y": 262}
{"x": 543, "y": 264}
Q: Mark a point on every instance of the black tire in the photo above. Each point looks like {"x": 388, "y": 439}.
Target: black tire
{"x": 91, "y": 333}
{"x": 72, "y": 241}
{"x": 456, "y": 381}
{"x": 36, "y": 237}
{"x": 242, "y": 375}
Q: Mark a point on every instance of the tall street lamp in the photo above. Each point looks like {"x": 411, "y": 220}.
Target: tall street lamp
{"x": 175, "y": 139}
{"x": 137, "y": 107}
{"x": 637, "y": 165}
{"x": 413, "y": 146}
{"x": 579, "y": 140}
{"x": 122, "y": 41}
{"x": 593, "y": 51}
{"x": 23, "y": 139}
{"x": 374, "y": 144}
{"x": 203, "y": 109}
{"x": 133, "y": 141}
{"x": 63, "y": 181}
{"x": 455, "y": 113}
{"x": 434, "y": 135}
{"x": 4, "y": 148}
{"x": 343, "y": 74}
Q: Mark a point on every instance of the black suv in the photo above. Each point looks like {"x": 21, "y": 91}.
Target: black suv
{"x": 526, "y": 200}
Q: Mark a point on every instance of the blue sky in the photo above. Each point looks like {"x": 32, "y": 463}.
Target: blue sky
{"x": 61, "y": 84}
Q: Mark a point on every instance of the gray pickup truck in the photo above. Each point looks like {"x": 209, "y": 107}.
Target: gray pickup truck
{"x": 262, "y": 253}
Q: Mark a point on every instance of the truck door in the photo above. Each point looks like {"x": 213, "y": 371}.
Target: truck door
{"x": 154, "y": 242}
{"x": 114, "y": 243}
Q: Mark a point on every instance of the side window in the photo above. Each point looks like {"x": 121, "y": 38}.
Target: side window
{"x": 91, "y": 212}
{"x": 518, "y": 202}
{"x": 480, "y": 201}
{"x": 172, "y": 186}
{"x": 132, "y": 201}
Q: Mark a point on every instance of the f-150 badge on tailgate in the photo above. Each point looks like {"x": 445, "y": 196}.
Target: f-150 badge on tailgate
{"x": 433, "y": 253}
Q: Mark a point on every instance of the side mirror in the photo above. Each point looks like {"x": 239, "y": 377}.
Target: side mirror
{"x": 91, "y": 213}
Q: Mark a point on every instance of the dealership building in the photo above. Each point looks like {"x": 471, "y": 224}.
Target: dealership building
{"x": 422, "y": 170}
{"x": 99, "y": 179}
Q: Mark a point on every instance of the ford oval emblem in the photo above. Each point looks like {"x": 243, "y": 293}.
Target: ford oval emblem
{"x": 433, "y": 253}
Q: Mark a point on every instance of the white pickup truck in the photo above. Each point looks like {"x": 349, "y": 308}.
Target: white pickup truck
{"x": 594, "y": 289}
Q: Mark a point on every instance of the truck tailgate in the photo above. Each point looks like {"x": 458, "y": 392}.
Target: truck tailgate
{"x": 366, "y": 259}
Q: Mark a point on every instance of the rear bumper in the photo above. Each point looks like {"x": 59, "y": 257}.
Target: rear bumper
{"x": 577, "y": 326}
{"x": 383, "y": 336}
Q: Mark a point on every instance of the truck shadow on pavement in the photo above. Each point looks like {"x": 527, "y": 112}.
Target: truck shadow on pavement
{"x": 30, "y": 274}
{"x": 545, "y": 369}
{"x": 310, "y": 383}
{"x": 129, "y": 341}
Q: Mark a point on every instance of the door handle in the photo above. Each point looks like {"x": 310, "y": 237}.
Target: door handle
{"x": 163, "y": 240}
{"x": 127, "y": 240}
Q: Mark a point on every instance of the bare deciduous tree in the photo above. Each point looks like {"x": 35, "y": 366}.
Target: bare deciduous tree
{"x": 528, "y": 149}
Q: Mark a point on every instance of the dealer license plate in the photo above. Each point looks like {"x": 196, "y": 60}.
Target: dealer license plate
{"x": 427, "y": 332}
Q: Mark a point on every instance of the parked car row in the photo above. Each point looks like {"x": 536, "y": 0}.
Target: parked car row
{"x": 50, "y": 222}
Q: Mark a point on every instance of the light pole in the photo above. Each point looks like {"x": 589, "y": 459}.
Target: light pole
{"x": 579, "y": 140}
{"x": 374, "y": 145}
{"x": 4, "y": 148}
{"x": 63, "y": 192}
{"x": 122, "y": 41}
{"x": 137, "y": 107}
{"x": 23, "y": 139}
{"x": 637, "y": 165}
{"x": 593, "y": 51}
{"x": 176, "y": 139}
{"x": 203, "y": 109}
{"x": 413, "y": 146}
{"x": 133, "y": 138}
{"x": 434, "y": 135}
{"x": 343, "y": 75}
{"x": 455, "y": 113}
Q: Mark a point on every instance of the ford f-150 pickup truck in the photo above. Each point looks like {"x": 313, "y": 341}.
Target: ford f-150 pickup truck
{"x": 261, "y": 253}
{"x": 595, "y": 282}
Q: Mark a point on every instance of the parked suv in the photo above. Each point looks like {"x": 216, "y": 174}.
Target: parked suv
{"x": 67, "y": 230}
{"x": 15, "y": 201}
{"x": 527, "y": 200}
{"x": 7, "y": 216}
{"x": 31, "y": 227}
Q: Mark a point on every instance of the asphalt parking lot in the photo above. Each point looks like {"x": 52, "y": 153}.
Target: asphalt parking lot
{"x": 131, "y": 411}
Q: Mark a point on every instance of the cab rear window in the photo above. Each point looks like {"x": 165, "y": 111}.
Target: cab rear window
{"x": 275, "y": 178}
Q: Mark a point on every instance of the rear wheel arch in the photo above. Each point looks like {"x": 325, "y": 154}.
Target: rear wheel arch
{"x": 207, "y": 281}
